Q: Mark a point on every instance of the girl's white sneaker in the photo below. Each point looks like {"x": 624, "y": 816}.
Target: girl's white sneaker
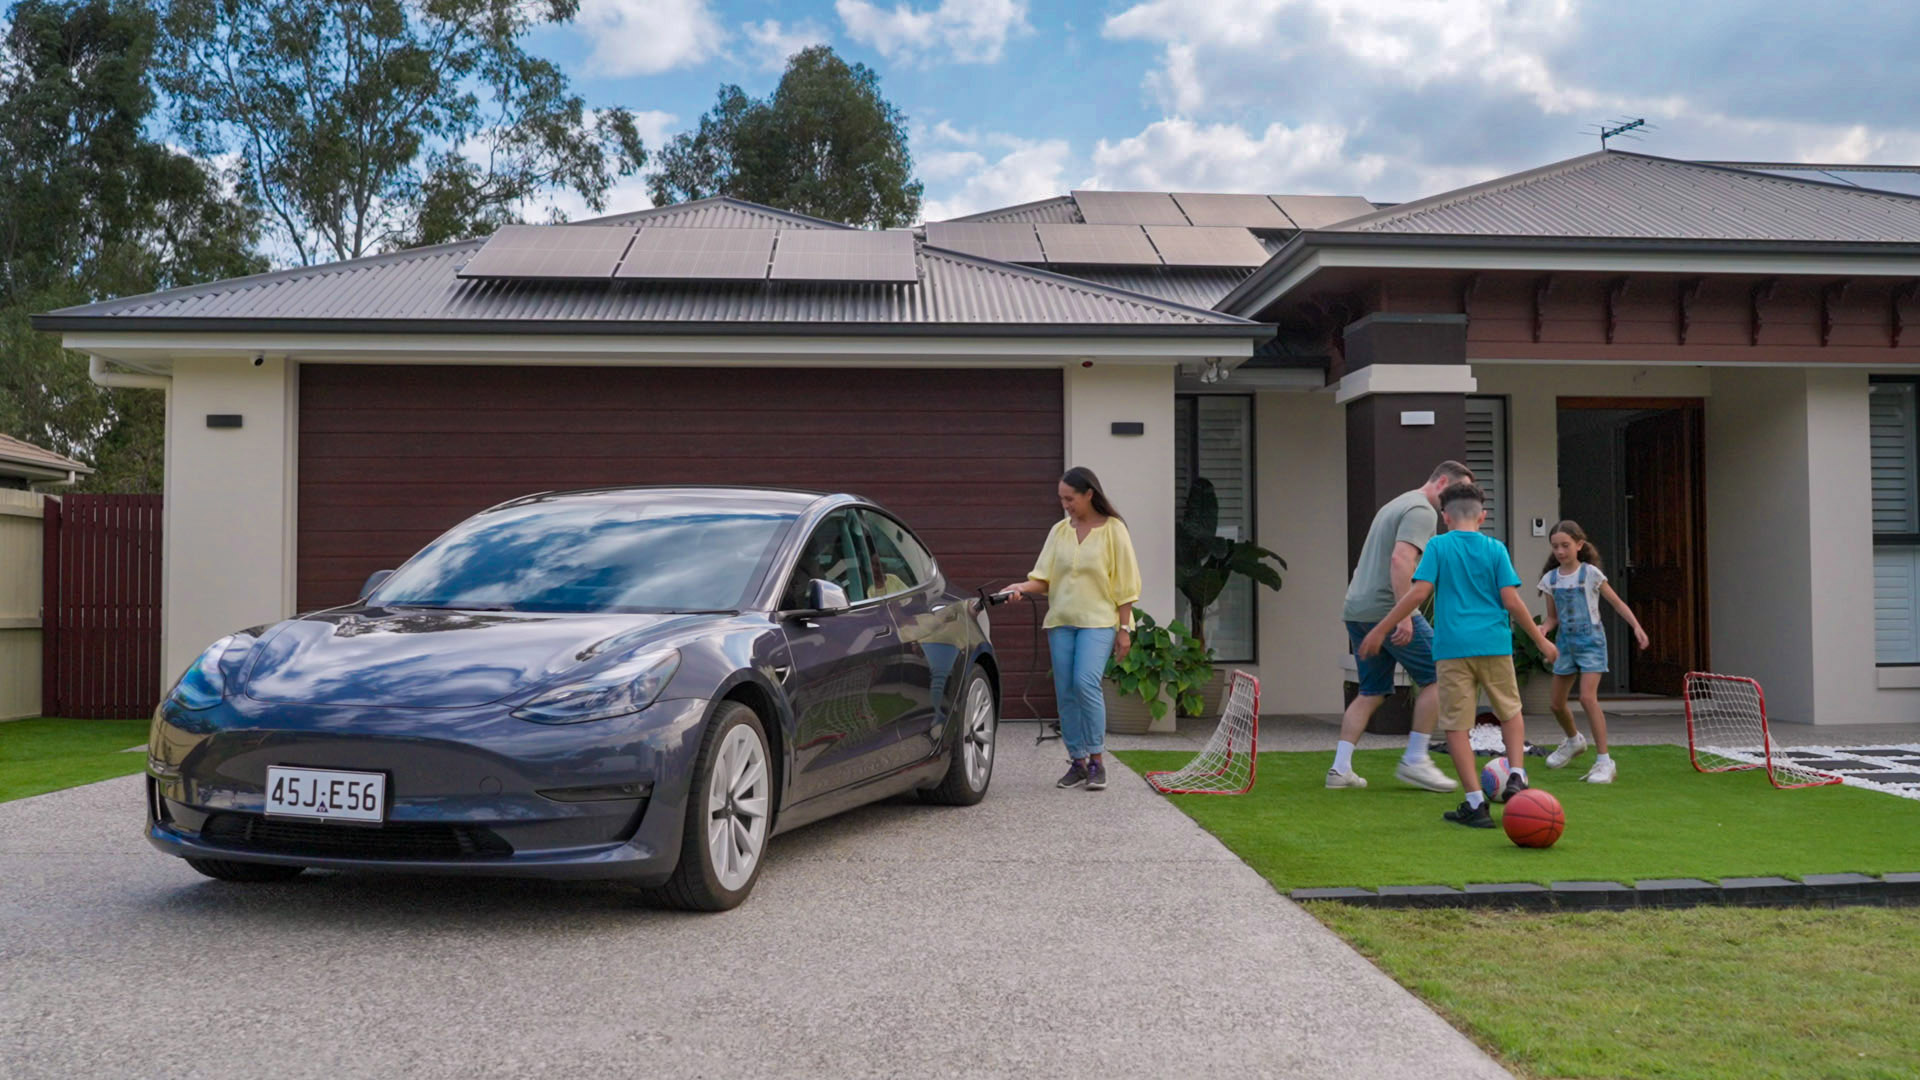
{"x": 1572, "y": 747}
{"x": 1601, "y": 773}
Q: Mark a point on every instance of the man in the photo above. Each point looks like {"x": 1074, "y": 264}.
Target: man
{"x": 1395, "y": 541}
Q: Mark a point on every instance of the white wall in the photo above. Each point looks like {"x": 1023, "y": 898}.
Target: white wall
{"x": 1136, "y": 470}
{"x": 1301, "y": 471}
{"x": 22, "y": 540}
{"x": 227, "y": 549}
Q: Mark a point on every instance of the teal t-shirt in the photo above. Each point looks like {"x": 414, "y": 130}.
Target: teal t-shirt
{"x": 1468, "y": 570}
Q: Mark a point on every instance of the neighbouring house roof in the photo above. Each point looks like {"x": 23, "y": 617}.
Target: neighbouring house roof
{"x": 1196, "y": 287}
{"x": 23, "y": 460}
{"x": 720, "y": 212}
{"x": 1617, "y": 194}
{"x": 1059, "y": 210}
{"x": 418, "y": 290}
{"x": 1899, "y": 179}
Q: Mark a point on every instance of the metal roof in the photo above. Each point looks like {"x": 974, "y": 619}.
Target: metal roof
{"x": 22, "y": 453}
{"x": 418, "y": 291}
{"x": 719, "y": 212}
{"x": 1183, "y": 285}
{"x": 1059, "y": 210}
{"x": 1616, "y": 194}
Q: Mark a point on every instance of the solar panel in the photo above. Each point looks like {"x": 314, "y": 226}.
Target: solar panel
{"x": 678, "y": 254}
{"x": 1320, "y": 211}
{"x": 1246, "y": 211}
{"x": 1213, "y": 246}
{"x": 554, "y": 252}
{"x": 990, "y": 240}
{"x": 1097, "y": 245}
{"x": 1128, "y": 208}
{"x": 844, "y": 255}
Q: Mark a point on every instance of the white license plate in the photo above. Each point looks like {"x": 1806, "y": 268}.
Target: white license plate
{"x": 328, "y": 794}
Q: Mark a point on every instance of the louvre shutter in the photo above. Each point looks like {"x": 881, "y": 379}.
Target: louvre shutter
{"x": 1896, "y": 509}
{"x": 1896, "y": 605}
{"x": 1487, "y": 457}
{"x": 1213, "y": 438}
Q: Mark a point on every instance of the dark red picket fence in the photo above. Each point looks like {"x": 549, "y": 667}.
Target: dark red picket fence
{"x": 100, "y": 626}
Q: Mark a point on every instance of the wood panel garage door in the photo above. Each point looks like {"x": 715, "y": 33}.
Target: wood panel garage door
{"x": 392, "y": 456}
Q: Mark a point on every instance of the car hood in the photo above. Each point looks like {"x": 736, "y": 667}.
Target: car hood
{"x": 415, "y": 658}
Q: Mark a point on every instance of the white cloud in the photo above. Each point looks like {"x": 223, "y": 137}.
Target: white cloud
{"x": 974, "y": 171}
{"x": 961, "y": 31}
{"x": 1180, "y": 155}
{"x": 770, "y": 43}
{"x": 647, "y": 37}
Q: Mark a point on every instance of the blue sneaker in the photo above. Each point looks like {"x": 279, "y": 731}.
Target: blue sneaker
{"x": 1096, "y": 775}
{"x": 1076, "y": 775}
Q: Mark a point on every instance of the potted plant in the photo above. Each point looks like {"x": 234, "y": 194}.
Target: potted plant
{"x": 1204, "y": 562}
{"x": 1166, "y": 667}
{"x": 1534, "y": 673}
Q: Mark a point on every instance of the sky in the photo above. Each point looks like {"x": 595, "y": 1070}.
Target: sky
{"x": 1013, "y": 100}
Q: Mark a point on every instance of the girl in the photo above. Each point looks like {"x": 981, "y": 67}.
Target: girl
{"x": 1091, "y": 579}
{"x": 1575, "y": 586}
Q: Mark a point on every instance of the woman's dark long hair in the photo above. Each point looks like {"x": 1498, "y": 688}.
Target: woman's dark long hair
{"x": 1588, "y": 553}
{"x": 1081, "y": 479}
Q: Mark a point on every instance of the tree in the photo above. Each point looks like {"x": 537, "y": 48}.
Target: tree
{"x": 91, "y": 208}
{"x": 825, "y": 143}
{"x": 364, "y": 125}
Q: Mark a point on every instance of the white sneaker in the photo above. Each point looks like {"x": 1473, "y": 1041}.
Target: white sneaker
{"x": 1572, "y": 747}
{"x": 1423, "y": 773}
{"x": 1601, "y": 773}
{"x": 1345, "y": 779}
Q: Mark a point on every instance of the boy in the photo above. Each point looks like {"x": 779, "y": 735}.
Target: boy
{"x": 1472, "y": 643}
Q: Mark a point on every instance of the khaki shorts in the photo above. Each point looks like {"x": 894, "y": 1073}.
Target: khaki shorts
{"x": 1462, "y": 678}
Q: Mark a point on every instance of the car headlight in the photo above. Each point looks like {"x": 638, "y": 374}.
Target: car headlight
{"x": 205, "y": 681}
{"x": 626, "y": 687}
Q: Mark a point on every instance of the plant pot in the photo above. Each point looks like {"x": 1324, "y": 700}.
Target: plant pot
{"x": 1213, "y": 696}
{"x": 1128, "y": 715}
{"x": 1536, "y": 695}
{"x": 1395, "y": 714}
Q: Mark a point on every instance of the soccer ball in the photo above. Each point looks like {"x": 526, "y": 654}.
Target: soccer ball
{"x": 1493, "y": 779}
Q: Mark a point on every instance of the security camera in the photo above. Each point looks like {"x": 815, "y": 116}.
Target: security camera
{"x": 259, "y": 359}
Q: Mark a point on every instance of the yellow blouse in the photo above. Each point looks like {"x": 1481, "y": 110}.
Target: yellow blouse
{"x": 1087, "y": 580}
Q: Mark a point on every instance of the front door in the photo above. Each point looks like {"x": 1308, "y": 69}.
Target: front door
{"x": 1660, "y": 547}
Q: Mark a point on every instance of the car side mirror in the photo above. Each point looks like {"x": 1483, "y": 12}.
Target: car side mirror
{"x": 826, "y": 597}
{"x": 374, "y": 581}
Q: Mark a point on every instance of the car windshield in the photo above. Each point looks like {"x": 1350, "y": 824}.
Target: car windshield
{"x": 586, "y": 555}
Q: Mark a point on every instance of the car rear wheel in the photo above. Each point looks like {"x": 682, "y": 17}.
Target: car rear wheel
{"x": 227, "y": 870}
{"x": 728, "y": 813}
{"x": 970, "y": 764}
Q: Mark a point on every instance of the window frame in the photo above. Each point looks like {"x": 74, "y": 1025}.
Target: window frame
{"x": 1905, "y": 540}
{"x": 1189, "y": 403}
{"x": 1504, "y": 519}
{"x": 933, "y": 565}
{"x": 862, "y": 556}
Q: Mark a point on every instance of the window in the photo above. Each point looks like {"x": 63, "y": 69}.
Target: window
{"x": 1894, "y": 438}
{"x": 899, "y": 562}
{"x": 833, "y": 554}
{"x": 1213, "y": 439}
{"x": 1487, "y": 457}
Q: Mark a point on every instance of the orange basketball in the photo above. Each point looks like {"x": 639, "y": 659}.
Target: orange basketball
{"x": 1534, "y": 819}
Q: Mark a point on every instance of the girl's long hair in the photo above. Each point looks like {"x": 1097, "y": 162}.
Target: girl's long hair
{"x": 1588, "y": 553}
{"x": 1081, "y": 479}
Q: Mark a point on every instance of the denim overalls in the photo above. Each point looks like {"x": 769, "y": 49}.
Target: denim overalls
{"x": 1582, "y": 641}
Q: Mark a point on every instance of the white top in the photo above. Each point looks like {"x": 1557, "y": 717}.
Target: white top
{"x": 1555, "y": 580}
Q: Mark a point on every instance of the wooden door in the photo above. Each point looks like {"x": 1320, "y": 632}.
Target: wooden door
{"x": 1661, "y": 560}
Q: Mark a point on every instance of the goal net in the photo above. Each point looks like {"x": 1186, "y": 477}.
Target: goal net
{"x": 1226, "y": 766}
{"x": 1727, "y": 731}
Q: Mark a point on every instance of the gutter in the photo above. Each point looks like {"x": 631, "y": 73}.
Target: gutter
{"x": 123, "y": 380}
{"x": 1245, "y": 331}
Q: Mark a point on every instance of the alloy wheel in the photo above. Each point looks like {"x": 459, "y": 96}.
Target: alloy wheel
{"x": 976, "y": 742}
{"x": 737, "y": 800}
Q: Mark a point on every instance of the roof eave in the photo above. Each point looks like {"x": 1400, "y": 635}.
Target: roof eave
{"x": 127, "y": 323}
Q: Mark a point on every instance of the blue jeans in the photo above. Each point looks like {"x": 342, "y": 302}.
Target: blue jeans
{"x": 1079, "y": 660}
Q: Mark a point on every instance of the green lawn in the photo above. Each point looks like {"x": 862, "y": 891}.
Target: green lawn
{"x": 38, "y": 756}
{"x": 1704, "y": 992}
{"x": 1660, "y": 819}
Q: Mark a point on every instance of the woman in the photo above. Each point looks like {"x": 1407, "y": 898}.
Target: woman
{"x": 1091, "y": 579}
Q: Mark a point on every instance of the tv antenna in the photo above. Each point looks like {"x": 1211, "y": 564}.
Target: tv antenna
{"x": 1622, "y": 128}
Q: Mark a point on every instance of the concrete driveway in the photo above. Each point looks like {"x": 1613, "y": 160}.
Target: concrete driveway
{"x": 1044, "y": 933}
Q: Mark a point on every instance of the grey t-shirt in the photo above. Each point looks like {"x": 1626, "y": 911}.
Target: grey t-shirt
{"x": 1409, "y": 518}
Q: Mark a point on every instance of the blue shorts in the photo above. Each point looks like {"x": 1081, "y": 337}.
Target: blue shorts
{"x": 1587, "y": 653}
{"x": 1416, "y": 656}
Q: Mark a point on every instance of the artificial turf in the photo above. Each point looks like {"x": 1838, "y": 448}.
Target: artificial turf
{"x": 47, "y": 754}
{"x": 1660, "y": 819}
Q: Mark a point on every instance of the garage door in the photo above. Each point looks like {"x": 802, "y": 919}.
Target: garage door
{"x": 391, "y": 456}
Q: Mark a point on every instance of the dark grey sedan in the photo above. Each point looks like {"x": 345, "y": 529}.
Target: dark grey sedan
{"x": 639, "y": 683}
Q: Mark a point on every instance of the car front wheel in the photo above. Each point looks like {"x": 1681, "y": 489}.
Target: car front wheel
{"x": 970, "y": 760}
{"x": 728, "y": 811}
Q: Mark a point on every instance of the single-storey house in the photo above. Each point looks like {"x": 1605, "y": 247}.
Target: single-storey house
{"x": 1708, "y": 366}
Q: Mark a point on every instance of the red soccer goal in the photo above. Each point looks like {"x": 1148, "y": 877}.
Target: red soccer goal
{"x": 1227, "y": 764}
{"x": 1727, "y": 731}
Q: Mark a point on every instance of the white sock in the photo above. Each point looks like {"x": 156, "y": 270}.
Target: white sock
{"x": 1603, "y": 758}
{"x": 1522, "y": 774}
{"x": 1474, "y": 799}
{"x": 1416, "y": 746}
{"x": 1343, "y": 756}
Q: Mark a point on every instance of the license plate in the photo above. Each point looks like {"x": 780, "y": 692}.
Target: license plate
{"x": 327, "y": 794}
